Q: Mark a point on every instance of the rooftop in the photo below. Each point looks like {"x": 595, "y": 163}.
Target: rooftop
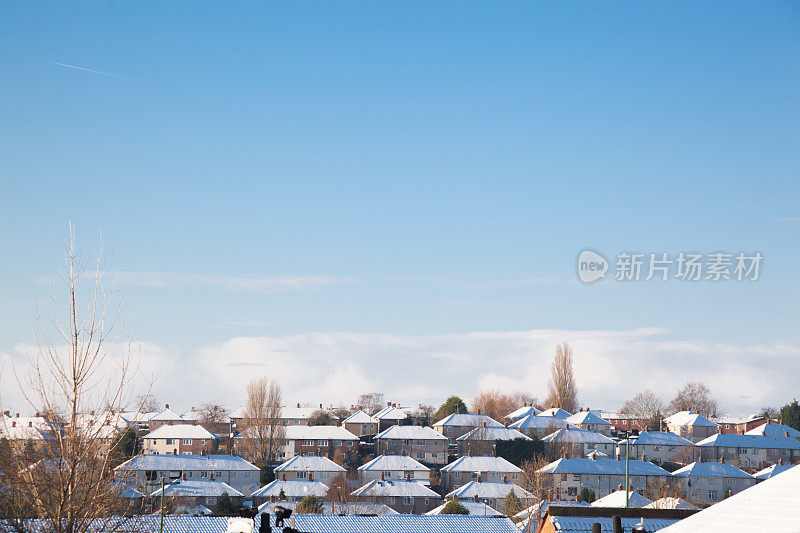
{"x": 731, "y": 440}
{"x": 587, "y": 417}
{"x": 410, "y": 432}
{"x": 198, "y": 488}
{"x": 293, "y": 488}
{"x": 578, "y": 436}
{"x": 474, "y": 508}
{"x": 492, "y": 433}
{"x": 540, "y": 421}
{"x": 523, "y": 411}
{"x": 393, "y": 463}
{"x": 360, "y": 417}
{"x": 394, "y": 488}
{"x": 487, "y": 489}
{"x": 714, "y": 470}
{"x": 617, "y": 499}
{"x": 688, "y": 418}
{"x": 481, "y": 464}
{"x": 468, "y": 420}
{"x": 556, "y": 412}
{"x": 604, "y": 467}
{"x": 187, "y": 463}
{"x": 390, "y": 413}
{"x": 318, "y": 433}
{"x": 313, "y": 463}
{"x": 180, "y": 431}
{"x": 660, "y": 438}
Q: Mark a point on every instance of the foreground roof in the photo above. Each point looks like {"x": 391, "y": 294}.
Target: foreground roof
{"x": 578, "y": 465}
{"x": 770, "y": 471}
{"x": 336, "y": 508}
{"x": 481, "y": 464}
{"x": 393, "y": 463}
{"x": 767, "y": 506}
{"x": 394, "y": 488}
{"x": 488, "y": 489}
{"x": 617, "y": 499}
{"x": 670, "y": 503}
{"x": 406, "y": 523}
{"x": 313, "y": 463}
{"x": 716, "y": 470}
{"x": 186, "y": 463}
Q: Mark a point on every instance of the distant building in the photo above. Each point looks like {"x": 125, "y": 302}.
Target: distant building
{"x": 750, "y": 451}
{"x": 199, "y": 492}
{"x": 389, "y": 416}
{"x": 179, "y": 440}
{"x": 394, "y": 467}
{"x": 691, "y": 426}
{"x": 478, "y": 468}
{"x": 590, "y": 421}
{"x": 492, "y": 493}
{"x": 539, "y": 425}
{"x": 418, "y": 442}
{"x": 603, "y": 476}
{"x": 309, "y": 468}
{"x": 402, "y": 496}
{"x": 292, "y": 490}
{"x": 770, "y": 429}
{"x": 707, "y": 483}
{"x": 522, "y": 412}
{"x": 166, "y": 417}
{"x": 334, "y": 442}
{"x": 659, "y": 445}
{"x": 578, "y": 443}
{"x": 483, "y": 441}
{"x": 456, "y": 425}
{"x": 360, "y": 423}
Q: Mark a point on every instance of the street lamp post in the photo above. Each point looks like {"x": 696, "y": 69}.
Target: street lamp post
{"x": 161, "y": 511}
{"x": 627, "y": 460}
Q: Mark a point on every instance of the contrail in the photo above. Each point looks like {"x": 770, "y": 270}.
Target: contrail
{"x": 89, "y": 70}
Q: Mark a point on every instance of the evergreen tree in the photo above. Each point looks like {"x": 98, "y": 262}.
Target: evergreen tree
{"x": 224, "y": 506}
{"x": 454, "y": 507}
{"x": 511, "y": 504}
{"x": 310, "y": 505}
{"x": 790, "y": 415}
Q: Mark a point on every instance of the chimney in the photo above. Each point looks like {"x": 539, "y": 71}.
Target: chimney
{"x": 479, "y": 477}
{"x": 311, "y": 476}
{"x": 92, "y": 413}
{"x": 298, "y": 405}
{"x": 320, "y": 406}
{"x": 383, "y": 477}
{"x": 167, "y": 406}
{"x": 13, "y": 423}
{"x": 505, "y": 479}
{"x": 475, "y": 498}
{"x": 594, "y": 457}
{"x": 780, "y": 460}
{"x": 721, "y": 459}
{"x": 30, "y": 423}
{"x": 17, "y": 415}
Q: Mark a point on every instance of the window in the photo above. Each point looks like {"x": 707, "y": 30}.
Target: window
{"x": 572, "y": 491}
{"x": 420, "y": 455}
{"x": 169, "y": 441}
{"x": 408, "y": 500}
{"x": 202, "y": 474}
{"x": 563, "y": 477}
{"x": 308, "y": 443}
{"x": 712, "y": 495}
{"x": 187, "y": 442}
{"x": 322, "y": 442}
{"x": 406, "y": 442}
{"x": 576, "y": 477}
{"x": 421, "y": 442}
{"x": 337, "y": 443}
{"x": 590, "y": 446}
{"x": 301, "y": 475}
{"x": 434, "y": 455}
{"x": 474, "y": 475}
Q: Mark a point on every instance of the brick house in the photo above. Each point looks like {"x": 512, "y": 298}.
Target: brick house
{"x": 309, "y": 468}
{"x": 405, "y": 497}
{"x": 167, "y": 417}
{"x": 538, "y": 425}
{"x": 394, "y": 467}
{"x": 457, "y": 424}
{"x": 750, "y": 451}
{"x": 480, "y": 468}
{"x": 181, "y": 439}
{"x": 707, "y": 483}
{"x": 578, "y": 443}
{"x": 333, "y": 442}
{"x": 603, "y": 476}
{"x": 482, "y": 441}
{"x": 659, "y": 445}
{"x": 691, "y": 426}
{"x": 418, "y": 442}
{"x": 360, "y": 423}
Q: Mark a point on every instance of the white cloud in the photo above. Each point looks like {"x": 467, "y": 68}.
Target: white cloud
{"x": 610, "y": 366}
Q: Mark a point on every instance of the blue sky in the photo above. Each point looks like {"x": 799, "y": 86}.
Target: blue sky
{"x": 409, "y": 171}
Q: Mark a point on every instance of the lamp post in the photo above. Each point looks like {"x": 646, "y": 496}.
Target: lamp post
{"x": 161, "y": 511}
{"x": 627, "y": 460}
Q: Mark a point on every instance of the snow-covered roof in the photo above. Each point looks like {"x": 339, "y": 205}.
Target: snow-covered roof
{"x": 166, "y": 415}
{"x": 309, "y": 463}
{"x": 390, "y": 413}
{"x": 540, "y": 508}
{"x": 474, "y": 508}
{"x": 670, "y": 503}
{"x": 501, "y": 433}
{"x": 587, "y": 417}
{"x": 180, "y": 431}
{"x": 688, "y": 418}
{"x": 487, "y": 489}
{"x": 577, "y": 523}
{"x": 336, "y": 508}
{"x": 617, "y": 499}
{"x": 481, "y": 464}
{"x": 193, "y": 510}
{"x": 198, "y": 488}
{"x": 14, "y": 431}
{"x": 318, "y": 433}
{"x": 556, "y": 412}
{"x": 775, "y": 430}
{"x": 578, "y": 436}
{"x": 732, "y": 440}
{"x": 659, "y": 438}
{"x": 770, "y": 471}
{"x": 579, "y": 465}
{"x": 187, "y": 463}
{"x": 714, "y": 470}
{"x": 596, "y": 454}
{"x": 768, "y": 506}
{"x": 191, "y": 415}
{"x": 540, "y": 421}
{"x": 237, "y": 413}
{"x": 302, "y": 413}
{"x": 293, "y": 488}
{"x": 468, "y": 420}
{"x": 378, "y": 488}
{"x": 137, "y": 416}
{"x": 360, "y": 417}
{"x": 410, "y": 432}
{"x": 400, "y": 463}
{"x": 523, "y": 411}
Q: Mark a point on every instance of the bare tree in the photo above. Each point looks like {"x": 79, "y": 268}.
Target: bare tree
{"x": 493, "y": 404}
{"x": 521, "y": 399}
{"x": 646, "y": 407}
{"x": 540, "y": 485}
{"x": 694, "y": 396}
{"x": 68, "y": 479}
{"x": 371, "y": 402}
{"x": 562, "y": 389}
{"x": 147, "y": 403}
{"x": 263, "y": 433}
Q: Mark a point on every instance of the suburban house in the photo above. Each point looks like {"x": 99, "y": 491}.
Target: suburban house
{"x": 707, "y": 483}
{"x": 394, "y": 467}
{"x": 522, "y": 412}
{"x": 180, "y": 439}
{"x": 419, "y": 442}
{"x": 740, "y": 426}
{"x": 167, "y": 417}
{"x": 774, "y": 430}
{"x": 750, "y": 451}
{"x": 217, "y": 423}
{"x": 623, "y": 422}
{"x": 538, "y": 425}
{"x": 147, "y": 471}
{"x": 389, "y": 416}
{"x": 492, "y": 493}
{"x": 199, "y": 492}
{"x": 578, "y": 443}
{"x": 309, "y": 468}
{"x": 402, "y": 496}
{"x": 478, "y": 468}
{"x": 455, "y": 425}
{"x": 28, "y": 432}
{"x": 590, "y": 421}
{"x": 290, "y": 416}
{"x": 334, "y": 442}
{"x": 771, "y": 471}
{"x": 660, "y": 446}
{"x": 141, "y": 421}
{"x": 691, "y": 426}
{"x": 482, "y": 441}
{"x": 563, "y": 518}
{"x": 293, "y": 491}
{"x": 603, "y": 476}
{"x": 360, "y": 423}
